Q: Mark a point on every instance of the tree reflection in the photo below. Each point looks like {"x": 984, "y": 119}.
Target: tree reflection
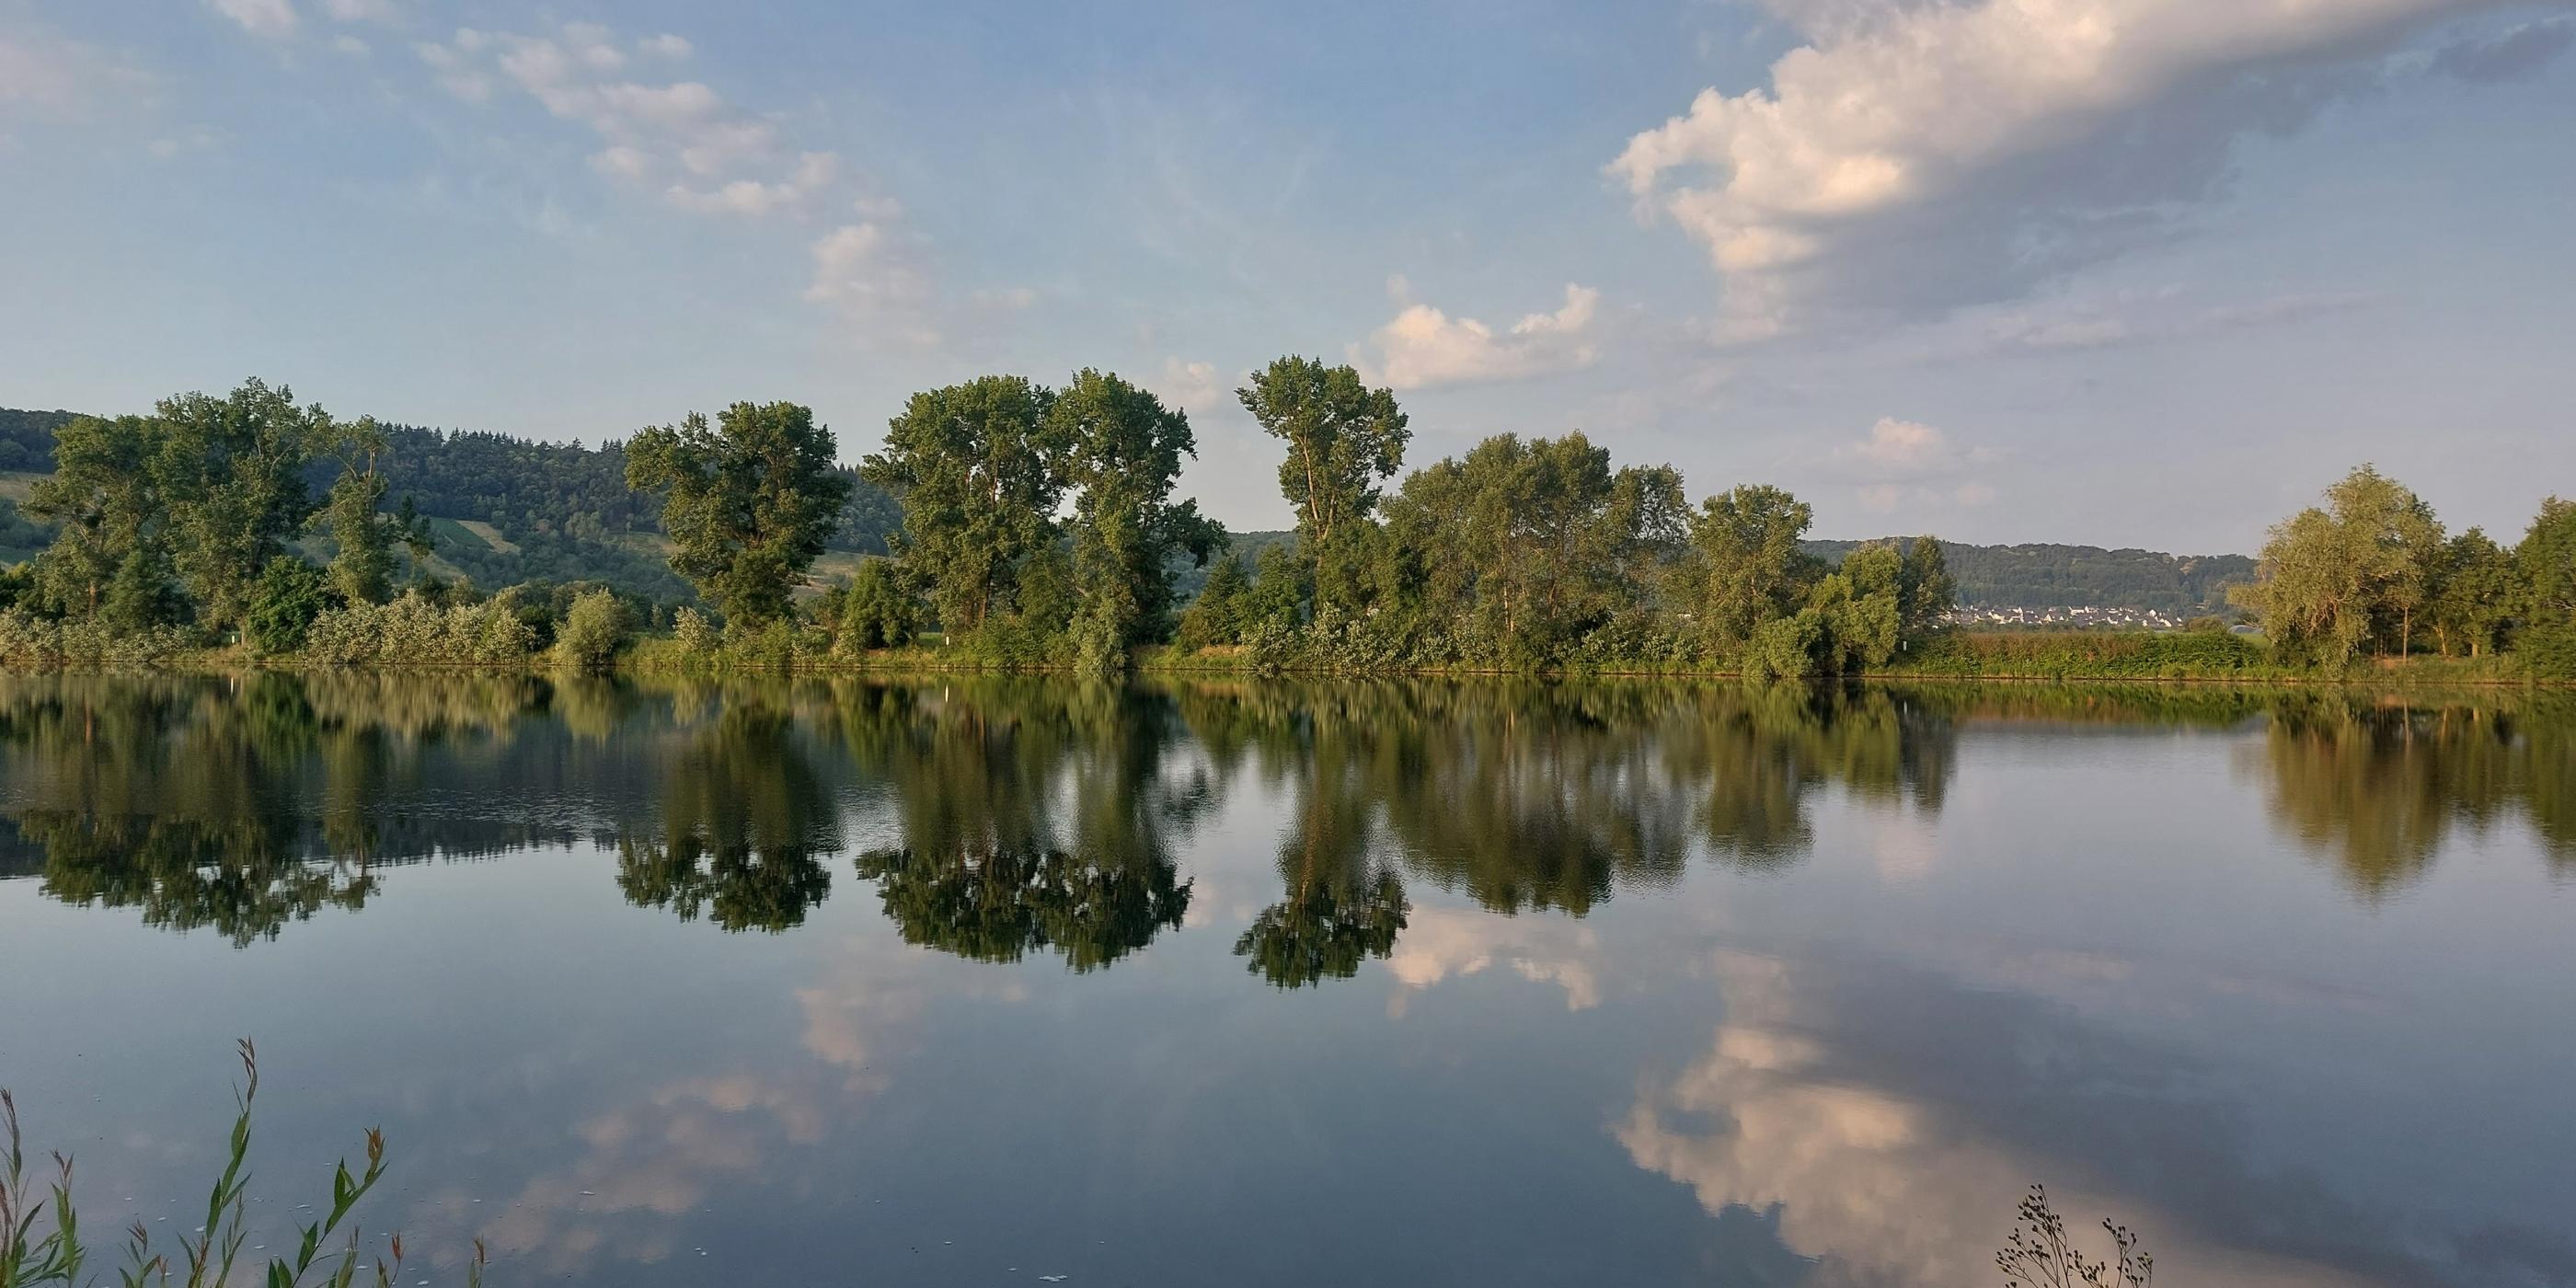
{"x": 1539, "y": 797}
{"x": 237, "y": 805}
{"x": 2380, "y": 786}
{"x": 1032, "y": 816}
{"x": 1342, "y": 906}
{"x": 744, "y": 824}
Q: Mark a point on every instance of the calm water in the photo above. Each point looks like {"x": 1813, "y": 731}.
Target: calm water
{"x": 1493, "y": 984}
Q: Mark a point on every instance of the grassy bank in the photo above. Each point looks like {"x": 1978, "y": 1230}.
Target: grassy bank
{"x": 2078, "y": 657}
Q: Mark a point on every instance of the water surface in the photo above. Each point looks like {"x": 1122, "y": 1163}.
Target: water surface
{"x": 969, "y": 982}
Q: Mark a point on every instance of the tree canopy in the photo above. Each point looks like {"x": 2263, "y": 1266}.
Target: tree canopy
{"x": 748, "y": 501}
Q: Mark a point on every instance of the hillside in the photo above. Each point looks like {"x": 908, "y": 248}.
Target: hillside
{"x": 2048, "y": 575}
{"x": 503, "y": 510}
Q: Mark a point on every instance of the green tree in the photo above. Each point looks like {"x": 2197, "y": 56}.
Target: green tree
{"x": 2472, "y": 594}
{"x": 1860, "y": 608}
{"x": 1526, "y": 547}
{"x": 1281, "y": 586}
{"x": 1344, "y": 440}
{"x": 2335, "y": 580}
{"x": 1216, "y": 616}
{"x": 748, "y": 502}
{"x": 2545, "y": 564}
{"x": 876, "y": 609}
{"x": 1124, "y": 451}
{"x": 290, "y": 594}
{"x": 362, "y": 568}
{"x": 113, "y": 523}
{"x": 1747, "y": 569}
{"x": 979, "y": 468}
{"x": 595, "y": 629}
{"x": 231, "y": 474}
{"x": 1926, "y": 594}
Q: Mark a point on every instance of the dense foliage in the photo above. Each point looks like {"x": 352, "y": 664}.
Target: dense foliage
{"x": 2372, "y": 574}
{"x": 748, "y": 501}
{"x": 982, "y": 469}
{"x": 1024, "y": 525}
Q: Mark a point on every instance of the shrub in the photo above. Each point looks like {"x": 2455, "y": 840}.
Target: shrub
{"x": 290, "y": 593}
{"x": 697, "y": 636}
{"x": 412, "y": 631}
{"x": 29, "y": 642}
{"x": 595, "y": 630}
{"x": 877, "y": 609}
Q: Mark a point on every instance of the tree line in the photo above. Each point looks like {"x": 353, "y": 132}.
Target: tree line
{"x": 1032, "y": 525}
{"x": 1040, "y": 524}
{"x": 2372, "y": 574}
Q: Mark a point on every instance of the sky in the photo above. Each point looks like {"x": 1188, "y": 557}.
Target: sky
{"x": 2119, "y": 272}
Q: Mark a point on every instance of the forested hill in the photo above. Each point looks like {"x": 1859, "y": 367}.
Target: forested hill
{"x": 506, "y": 510}
{"x": 2056, "y": 576}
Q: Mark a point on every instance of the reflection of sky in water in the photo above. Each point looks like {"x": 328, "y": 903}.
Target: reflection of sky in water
{"x": 2285, "y": 993}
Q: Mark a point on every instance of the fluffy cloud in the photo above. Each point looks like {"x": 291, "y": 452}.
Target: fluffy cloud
{"x": 259, "y": 17}
{"x": 814, "y": 172}
{"x": 1913, "y": 157}
{"x": 1902, "y": 460}
{"x": 709, "y": 156}
{"x": 360, "y": 10}
{"x": 1424, "y": 347}
{"x": 1441, "y": 943}
{"x": 1877, "y": 1183}
{"x": 1193, "y": 387}
{"x": 872, "y": 276}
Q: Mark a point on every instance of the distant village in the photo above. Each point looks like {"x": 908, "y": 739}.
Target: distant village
{"x": 2085, "y": 617}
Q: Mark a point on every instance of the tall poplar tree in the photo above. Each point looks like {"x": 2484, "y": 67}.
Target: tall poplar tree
{"x": 1344, "y": 441}
{"x": 748, "y": 501}
{"x": 979, "y": 468}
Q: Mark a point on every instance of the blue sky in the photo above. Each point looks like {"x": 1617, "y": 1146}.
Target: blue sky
{"x": 2128, "y": 272}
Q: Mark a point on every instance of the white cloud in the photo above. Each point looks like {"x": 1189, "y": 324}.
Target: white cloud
{"x": 1441, "y": 943}
{"x": 360, "y": 10}
{"x": 873, "y": 277}
{"x": 1423, "y": 347}
{"x": 1895, "y": 446}
{"x": 814, "y": 171}
{"x": 1912, "y": 157}
{"x": 1193, "y": 387}
{"x": 1902, "y": 461}
{"x": 715, "y": 157}
{"x": 622, "y": 161}
{"x": 271, "y": 18}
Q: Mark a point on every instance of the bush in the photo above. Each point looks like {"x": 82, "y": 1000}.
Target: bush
{"x": 289, "y": 595}
{"x": 876, "y": 609}
{"x": 412, "y": 631}
{"x": 595, "y": 630}
{"x": 2095, "y": 654}
{"x": 1786, "y": 647}
{"x": 697, "y": 636}
{"x": 29, "y": 642}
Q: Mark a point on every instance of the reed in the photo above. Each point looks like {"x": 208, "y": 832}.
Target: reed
{"x": 327, "y": 1251}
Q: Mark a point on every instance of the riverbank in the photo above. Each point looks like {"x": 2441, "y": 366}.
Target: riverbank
{"x": 2067, "y": 658}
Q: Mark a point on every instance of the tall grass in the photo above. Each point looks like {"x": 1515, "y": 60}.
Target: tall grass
{"x": 2040, "y": 1254}
{"x": 327, "y": 1252}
